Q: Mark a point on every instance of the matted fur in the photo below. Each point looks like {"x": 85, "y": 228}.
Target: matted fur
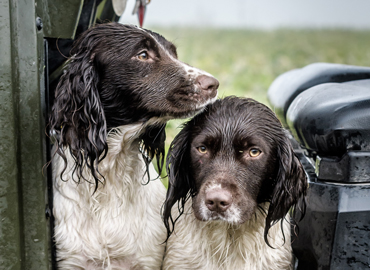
{"x": 111, "y": 105}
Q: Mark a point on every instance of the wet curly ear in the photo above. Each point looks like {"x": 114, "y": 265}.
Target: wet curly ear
{"x": 180, "y": 183}
{"x": 153, "y": 145}
{"x": 77, "y": 116}
{"x": 290, "y": 186}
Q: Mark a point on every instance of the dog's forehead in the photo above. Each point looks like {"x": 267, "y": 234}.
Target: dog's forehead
{"x": 159, "y": 38}
{"x": 132, "y": 36}
{"x": 162, "y": 41}
{"x": 227, "y": 124}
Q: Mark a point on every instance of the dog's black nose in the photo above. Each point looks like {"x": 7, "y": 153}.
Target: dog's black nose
{"x": 218, "y": 200}
{"x": 209, "y": 84}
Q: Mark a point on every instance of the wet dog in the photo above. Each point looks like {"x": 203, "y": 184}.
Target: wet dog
{"x": 111, "y": 105}
{"x": 234, "y": 176}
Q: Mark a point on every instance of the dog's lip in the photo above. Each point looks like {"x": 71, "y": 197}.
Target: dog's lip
{"x": 192, "y": 89}
{"x": 214, "y": 216}
{"x": 185, "y": 114}
{"x": 191, "y": 107}
{"x": 232, "y": 217}
{"x": 192, "y": 110}
{"x": 188, "y": 90}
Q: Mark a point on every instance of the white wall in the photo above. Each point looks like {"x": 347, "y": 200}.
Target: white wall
{"x": 264, "y": 14}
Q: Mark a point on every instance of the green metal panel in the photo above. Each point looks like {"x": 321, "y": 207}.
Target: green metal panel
{"x": 24, "y": 229}
{"x": 10, "y": 231}
{"x": 31, "y": 136}
{"x": 61, "y": 18}
{"x": 24, "y": 239}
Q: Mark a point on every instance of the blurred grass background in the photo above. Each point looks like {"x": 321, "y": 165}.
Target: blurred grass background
{"x": 247, "y": 61}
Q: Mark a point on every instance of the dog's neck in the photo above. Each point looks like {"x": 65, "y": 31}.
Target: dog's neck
{"x": 122, "y": 142}
{"x": 122, "y": 161}
{"x": 224, "y": 244}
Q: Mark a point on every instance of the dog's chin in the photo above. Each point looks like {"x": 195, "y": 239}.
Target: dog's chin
{"x": 187, "y": 111}
{"x": 232, "y": 218}
{"x": 189, "y": 106}
{"x": 221, "y": 219}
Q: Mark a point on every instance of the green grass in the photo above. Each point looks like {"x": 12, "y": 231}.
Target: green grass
{"x": 246, "y": 62}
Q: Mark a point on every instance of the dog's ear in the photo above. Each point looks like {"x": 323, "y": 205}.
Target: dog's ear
{"x": 77, "y": 116}
{"x": 153, "y": 142}
{"x": 180, "y": 183}
{"x": 289, "y": 188}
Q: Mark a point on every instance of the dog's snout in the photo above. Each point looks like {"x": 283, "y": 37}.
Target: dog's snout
{"x": 208, "y": 83}
{"x": 218, "y": 200}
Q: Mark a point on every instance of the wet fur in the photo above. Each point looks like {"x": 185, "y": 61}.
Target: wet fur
{"x": 254, "y": 233}
{"x": 111, "y": 106}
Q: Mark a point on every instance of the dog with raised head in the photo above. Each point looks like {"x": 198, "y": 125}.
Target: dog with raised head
{"x": 234, "y": 177}
{"x": 120, "y": 86}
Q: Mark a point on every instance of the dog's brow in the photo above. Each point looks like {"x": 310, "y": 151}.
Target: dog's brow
{"x": 167, "y": 52}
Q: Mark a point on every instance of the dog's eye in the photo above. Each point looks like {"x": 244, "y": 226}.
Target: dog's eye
{"x": 143, "y": 56}
{"x": 254, "y": 152}
{"x": 202, "y": 149}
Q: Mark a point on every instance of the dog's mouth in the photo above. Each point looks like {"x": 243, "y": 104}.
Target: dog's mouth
{"x": 192, "y": 96}
{"x": 186, "y": 100}
{"x": 220, "y": 204}
{"x": 190, "y": 104}
{"x": 232, "y": 215}
{"x": 233, "y": 218}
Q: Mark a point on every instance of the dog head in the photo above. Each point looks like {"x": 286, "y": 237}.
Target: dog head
{"x": 119, "y": 75}
{"x": 231, "y": 158}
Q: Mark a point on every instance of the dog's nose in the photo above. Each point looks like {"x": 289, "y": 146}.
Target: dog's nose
{"x": 218, "y": 200}
{"x": 209, "y": 84}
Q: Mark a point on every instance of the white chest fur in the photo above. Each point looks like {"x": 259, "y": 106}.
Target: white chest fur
{"x": 217, "y": 245}
{"x": 117, "y": 227}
